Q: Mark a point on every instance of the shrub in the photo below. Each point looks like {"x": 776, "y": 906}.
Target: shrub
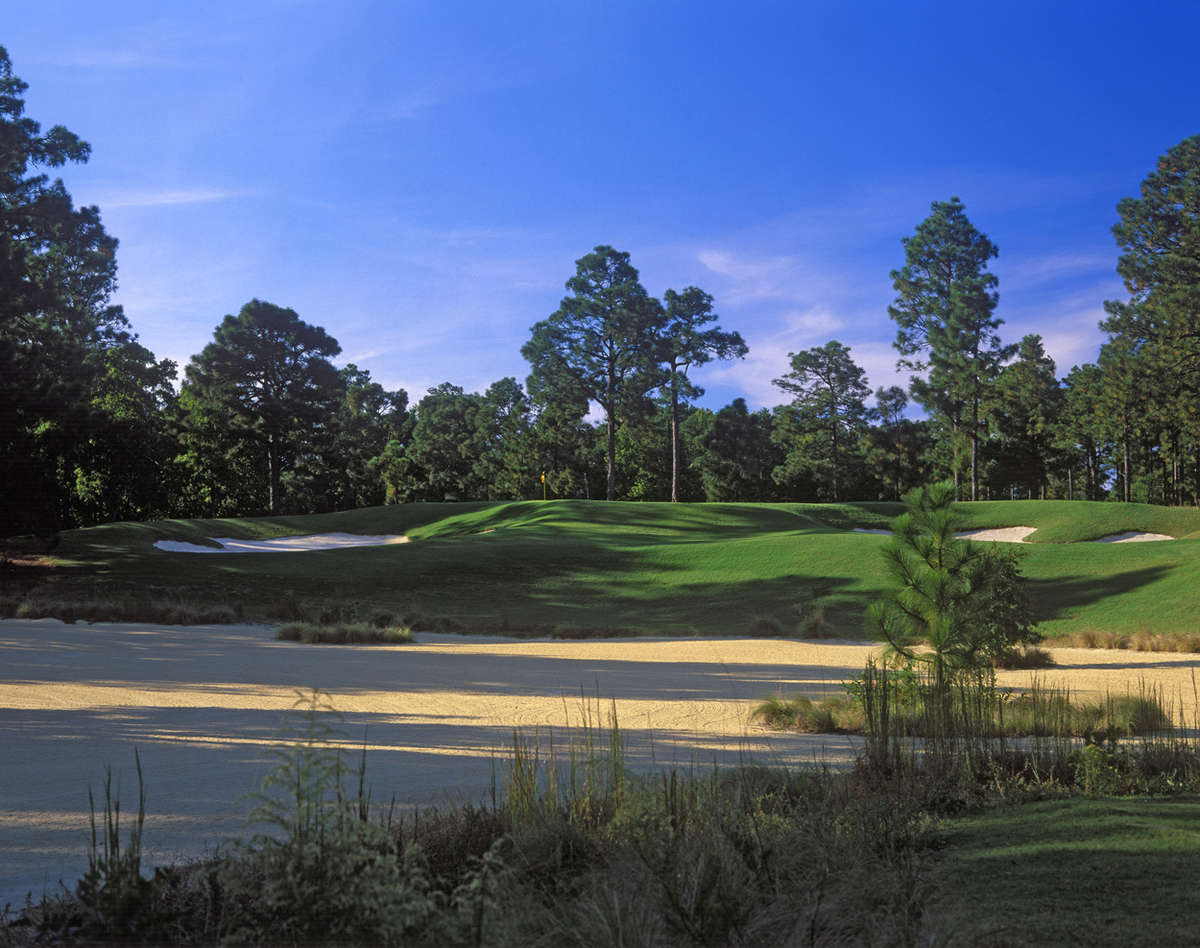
{"x": 967, "y": 602}
{"x": 351, "y": 634}
{"x": 1028, "y": 657}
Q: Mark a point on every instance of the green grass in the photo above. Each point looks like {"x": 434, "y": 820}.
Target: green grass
{"x": 1077, "y": 871}
{"x": 660, "y": 568}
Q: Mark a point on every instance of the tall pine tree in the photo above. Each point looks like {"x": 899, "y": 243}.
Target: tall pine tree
{"x": 945, "y": 305}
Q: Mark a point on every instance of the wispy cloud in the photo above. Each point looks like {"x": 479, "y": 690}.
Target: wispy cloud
{"x": 364, "y": 355}
{"x": 751, "y": 279}
{"x": 164, "y": 197}
{"x": 1025, "y": 273}
{"x": 817, "y": 319}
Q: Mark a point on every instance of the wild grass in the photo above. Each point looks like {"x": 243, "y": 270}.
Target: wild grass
{"x": 1024, "y": 658}
{"x": 975, "y": 710}
{"x": 572, "y": 850}
{"x": 168, "y": 609}
{"x": 1142, "y": 640}
{"x": 360, "y": 633}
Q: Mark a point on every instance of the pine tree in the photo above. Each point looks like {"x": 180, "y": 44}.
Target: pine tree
{"x": 944, "y": 306}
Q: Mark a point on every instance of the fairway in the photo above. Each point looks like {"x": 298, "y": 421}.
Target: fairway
{"x": 710, "y": 569}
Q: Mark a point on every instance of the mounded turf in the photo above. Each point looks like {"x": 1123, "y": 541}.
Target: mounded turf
{"x": 658, "y": 568}
{"x": 1071, "y": 872}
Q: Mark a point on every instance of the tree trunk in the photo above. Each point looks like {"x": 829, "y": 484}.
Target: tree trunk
{"x": 957, "y": 454}
{"x": 674, "y": 441}
{"x": 974, "y": 469}
{"x": 272, "y": 474}
{"x": 833, "y": 448}
{"x": 1125, "y": 468}
{"x": 612, "y": 457}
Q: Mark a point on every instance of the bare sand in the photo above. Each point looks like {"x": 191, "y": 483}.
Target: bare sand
{"x": 1133, "y": 536}
{"x": 1002, "y": 535}
{"x": 315, "y": 541}
{"x": 204, "y": 706}
{"x": 999, "y": 535}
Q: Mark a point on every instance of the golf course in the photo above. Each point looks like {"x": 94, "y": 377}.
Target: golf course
{"x": 590, "y": 568}
{"x": 678, "y": 600}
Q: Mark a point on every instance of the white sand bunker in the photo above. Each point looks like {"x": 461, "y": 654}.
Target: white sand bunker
{"x": 316, "y": 541}
{"x": 999, "y": 535}
{"x": 1002, "y": 535}
{"x": 1133, "y": 536}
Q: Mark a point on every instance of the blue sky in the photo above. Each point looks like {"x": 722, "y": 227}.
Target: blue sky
{"x": 419, "y": 178}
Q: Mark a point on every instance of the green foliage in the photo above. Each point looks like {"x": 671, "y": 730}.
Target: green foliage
{"x": 691, "y": 341}
{"x": 895, "y": 452}
{"x": 266, "y": 377}
{"x": 945, "y": 300}
{"x": 1024, "y": 407}
{"x": 965, "y": 601}
{"x": 77, "y": 390}
{"x": 829, "y": 414}
{"x": 602, "y": 344}
{"x": 734, "y": 453}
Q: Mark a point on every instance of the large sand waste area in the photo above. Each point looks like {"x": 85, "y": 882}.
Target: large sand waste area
{"x": 204, "y": 705}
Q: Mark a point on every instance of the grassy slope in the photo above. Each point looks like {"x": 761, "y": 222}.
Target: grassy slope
{"x": 1078, "y": 871}
{"x": 659, "y": 567}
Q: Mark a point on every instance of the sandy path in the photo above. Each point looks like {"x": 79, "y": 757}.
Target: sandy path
{"x": 204, "y": 705}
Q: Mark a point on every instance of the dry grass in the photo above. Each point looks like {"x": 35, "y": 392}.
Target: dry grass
{"x": 166, "y": 610}
{"x": 1140, "y": 641}
{"x": 358, "y": 633}
{"x": 1028, "y": 657}
{"x": 765, "y": 627}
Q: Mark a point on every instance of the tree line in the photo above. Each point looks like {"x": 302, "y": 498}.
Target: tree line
{"x": 93, "y": 427}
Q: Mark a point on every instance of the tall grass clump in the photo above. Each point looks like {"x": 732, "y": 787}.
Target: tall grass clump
{"x": 360, "y": 633}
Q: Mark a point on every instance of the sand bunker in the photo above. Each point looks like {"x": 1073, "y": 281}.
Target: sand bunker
{"x": 1133, "y": 537}
{"x": 999, "y": 535}
{"x": 316, "y": 541}
{"x": 1002, "y": 535}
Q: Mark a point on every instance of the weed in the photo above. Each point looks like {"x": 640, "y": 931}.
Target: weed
{"x": 113, "y": 889}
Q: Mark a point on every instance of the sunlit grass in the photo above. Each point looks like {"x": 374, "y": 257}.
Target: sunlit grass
{"x": 657, "y": 568}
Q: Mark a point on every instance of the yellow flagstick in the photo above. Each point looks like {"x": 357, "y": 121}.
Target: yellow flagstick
{"x": 543, "y": 485}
